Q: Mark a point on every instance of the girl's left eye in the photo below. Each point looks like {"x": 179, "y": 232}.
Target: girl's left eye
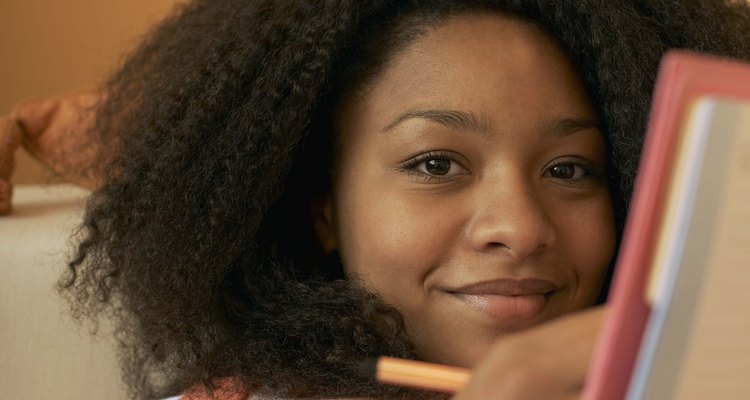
{"x": 572, "y": 171}
{"x": 438, "y": 166}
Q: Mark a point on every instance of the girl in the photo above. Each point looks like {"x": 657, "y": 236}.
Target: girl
{"x": 293, "y": 187}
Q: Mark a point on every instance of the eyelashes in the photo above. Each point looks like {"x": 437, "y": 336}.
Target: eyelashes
{"x": 446, "y": 166}
{"x": 572, "y": 170}
{"x": 435, "y": 166}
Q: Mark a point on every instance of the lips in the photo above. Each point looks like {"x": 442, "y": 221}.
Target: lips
{"x": 507, "y": 299}
{"x": 508, "y": 287}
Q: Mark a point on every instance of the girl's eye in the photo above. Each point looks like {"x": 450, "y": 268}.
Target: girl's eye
{"x": 435, "y": 166}
{"x": 572, "y": 171}
{"x": 566, "y": 171}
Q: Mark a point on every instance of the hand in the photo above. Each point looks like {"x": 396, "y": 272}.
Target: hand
{"x": 549, "y": 361}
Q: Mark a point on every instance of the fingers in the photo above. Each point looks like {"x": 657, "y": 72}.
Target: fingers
{"x": 10, "y": 138}
{"x": 546, "y": 362}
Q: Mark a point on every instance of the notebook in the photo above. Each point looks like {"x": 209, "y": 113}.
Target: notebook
{"x": 695, "y": 344}
{"x": 684, "y": 84}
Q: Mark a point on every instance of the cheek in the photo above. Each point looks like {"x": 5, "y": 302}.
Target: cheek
{"x": 589, "y": 240}
{"x": 388, "y": 239}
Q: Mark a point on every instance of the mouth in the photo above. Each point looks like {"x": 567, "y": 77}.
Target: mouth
{"x": 507, "y": 299}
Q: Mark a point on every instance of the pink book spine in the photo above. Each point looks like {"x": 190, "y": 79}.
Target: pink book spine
{"x": 628, "y": 312}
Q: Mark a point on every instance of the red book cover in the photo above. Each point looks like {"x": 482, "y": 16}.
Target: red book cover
{"x": 682, "y": 78}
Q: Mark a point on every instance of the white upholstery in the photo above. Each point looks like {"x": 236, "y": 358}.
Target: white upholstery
{"x": 43, "y": 353}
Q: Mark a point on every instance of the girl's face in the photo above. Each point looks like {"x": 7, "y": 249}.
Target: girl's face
{"x": 469, "y": 189}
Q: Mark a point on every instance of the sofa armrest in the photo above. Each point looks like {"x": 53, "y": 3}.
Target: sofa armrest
{"x": 45, "y": 355}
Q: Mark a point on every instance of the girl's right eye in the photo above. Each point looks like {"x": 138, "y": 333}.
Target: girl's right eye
{"x": 435, "y": 166}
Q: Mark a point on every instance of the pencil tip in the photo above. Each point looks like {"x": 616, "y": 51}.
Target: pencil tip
{"x": 368, "y": 367}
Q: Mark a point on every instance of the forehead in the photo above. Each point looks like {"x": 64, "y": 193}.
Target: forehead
{"x": 489, "y": 64}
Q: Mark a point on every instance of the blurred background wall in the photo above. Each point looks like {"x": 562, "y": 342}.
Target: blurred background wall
{"x": 52, "y": 47}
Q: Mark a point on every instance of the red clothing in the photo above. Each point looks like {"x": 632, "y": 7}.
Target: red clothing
{"x": 226, "y": 389}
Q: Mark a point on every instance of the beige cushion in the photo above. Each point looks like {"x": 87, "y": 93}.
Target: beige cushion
{"x": 43, "y": 353}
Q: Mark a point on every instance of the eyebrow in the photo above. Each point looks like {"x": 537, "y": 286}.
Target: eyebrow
{"x": 463, "y": 120}
{"x": 450, "y": 118}
{"x": 567, "y": 126}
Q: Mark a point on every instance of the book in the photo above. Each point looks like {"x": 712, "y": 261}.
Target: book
{"x": 695, "y": 342}
{"x": 657, "y": 215}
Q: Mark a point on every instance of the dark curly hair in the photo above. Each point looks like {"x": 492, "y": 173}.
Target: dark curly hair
{"x": 218, "y": 137}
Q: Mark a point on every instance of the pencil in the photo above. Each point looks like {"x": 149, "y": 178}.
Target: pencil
{"x": 416, "y": 374}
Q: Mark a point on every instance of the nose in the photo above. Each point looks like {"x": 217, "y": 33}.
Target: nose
{"x": 510, "y": 217}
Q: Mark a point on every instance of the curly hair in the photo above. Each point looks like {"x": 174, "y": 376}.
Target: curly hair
{"x": 218, "y": 137}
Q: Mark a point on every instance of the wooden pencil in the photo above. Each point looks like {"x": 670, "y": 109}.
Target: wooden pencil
{"x": 417, "y": 374}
